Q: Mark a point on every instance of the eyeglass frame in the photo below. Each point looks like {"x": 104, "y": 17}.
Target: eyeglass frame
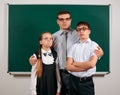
{"x": 62, "y": 19}
{"x": 46, "y": 38}
{"x": 83, "y": 28}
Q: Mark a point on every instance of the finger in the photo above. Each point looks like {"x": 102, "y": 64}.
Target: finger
{"x": 98, "y": 48}
{"x": 32, "y": 56}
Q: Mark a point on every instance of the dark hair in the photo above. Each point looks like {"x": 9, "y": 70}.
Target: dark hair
{"x": 83, "y": 23}
{"x": 63, "y": 12}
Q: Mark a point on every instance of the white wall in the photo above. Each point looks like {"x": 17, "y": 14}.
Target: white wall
{"x": 19, "y": 85}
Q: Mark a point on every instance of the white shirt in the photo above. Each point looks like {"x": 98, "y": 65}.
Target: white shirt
{"x": 81, "y": 52}
{"x": 47, "y": 59}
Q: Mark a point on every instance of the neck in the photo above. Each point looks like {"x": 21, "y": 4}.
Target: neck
{"x": 46, "y": 48}
{"x": 83, "y": 40}
{"x": 65, "y": 29}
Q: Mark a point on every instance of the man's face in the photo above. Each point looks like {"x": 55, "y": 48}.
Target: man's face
{"x": 64, "y": 21}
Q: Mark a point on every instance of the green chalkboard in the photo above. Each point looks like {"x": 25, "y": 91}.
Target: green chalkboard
{"x": 26, "y": 22}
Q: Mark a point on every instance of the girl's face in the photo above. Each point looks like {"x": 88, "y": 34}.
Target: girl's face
{"x": 46, "y": 40}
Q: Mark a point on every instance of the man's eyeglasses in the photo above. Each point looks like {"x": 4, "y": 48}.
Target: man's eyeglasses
{"x": 62, "y": 19}
{"x": 82, "y": 29}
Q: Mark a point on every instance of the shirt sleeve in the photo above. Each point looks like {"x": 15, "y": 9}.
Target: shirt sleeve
{"x": 33, "y": 78}
{"x": 58, "y": 77}
{"x": 94, "y": 47}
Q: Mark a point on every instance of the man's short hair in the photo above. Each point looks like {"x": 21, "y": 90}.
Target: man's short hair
{"x": 63, "y": 12}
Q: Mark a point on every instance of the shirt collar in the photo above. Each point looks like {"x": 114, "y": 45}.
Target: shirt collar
{"x": 69, "y": 30}
{"x": 44, "y": 51}
{"x": 88, "y": 40}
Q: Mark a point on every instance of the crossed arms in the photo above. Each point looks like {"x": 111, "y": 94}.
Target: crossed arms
{"x": 81, "y": 66}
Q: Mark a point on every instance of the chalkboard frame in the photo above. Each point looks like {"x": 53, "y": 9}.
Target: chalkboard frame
{"x": 12, "y": 27}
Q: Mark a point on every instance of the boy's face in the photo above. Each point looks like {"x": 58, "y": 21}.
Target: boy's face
{"x": 64, "y": 21}
{"x": 47, "y": 40}
{"x": 83, "y": 31}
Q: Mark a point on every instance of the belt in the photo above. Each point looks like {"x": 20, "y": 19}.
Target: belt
{"x": 82, "y": 79}
{"x": 85, "y": 78}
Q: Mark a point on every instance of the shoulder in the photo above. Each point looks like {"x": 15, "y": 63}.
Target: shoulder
{"x": 72, "y": 31}
{"x": 55, "y": 34}
{"x": 94, "y": 43}
{"x": 52, "y": 49}
{"x": 53, "y": 52}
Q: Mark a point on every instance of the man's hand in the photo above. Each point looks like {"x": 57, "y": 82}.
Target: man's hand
{"x": 33, "y": 59}
{"x": 99, "y": 52}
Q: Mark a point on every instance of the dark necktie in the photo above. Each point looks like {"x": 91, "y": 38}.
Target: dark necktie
{"x": 64, "y": 49}
{"x": 45, "y": 54}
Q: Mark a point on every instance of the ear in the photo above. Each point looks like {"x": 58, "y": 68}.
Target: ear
{"x": 89, "y": 31}
{"x": 57, "y": 21}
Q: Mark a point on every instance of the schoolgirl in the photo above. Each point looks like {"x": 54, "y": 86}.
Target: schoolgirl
{"x": 45, "y": 78}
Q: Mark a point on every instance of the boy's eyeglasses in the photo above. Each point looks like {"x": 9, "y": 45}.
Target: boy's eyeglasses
{"x": 82, "y": 29}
